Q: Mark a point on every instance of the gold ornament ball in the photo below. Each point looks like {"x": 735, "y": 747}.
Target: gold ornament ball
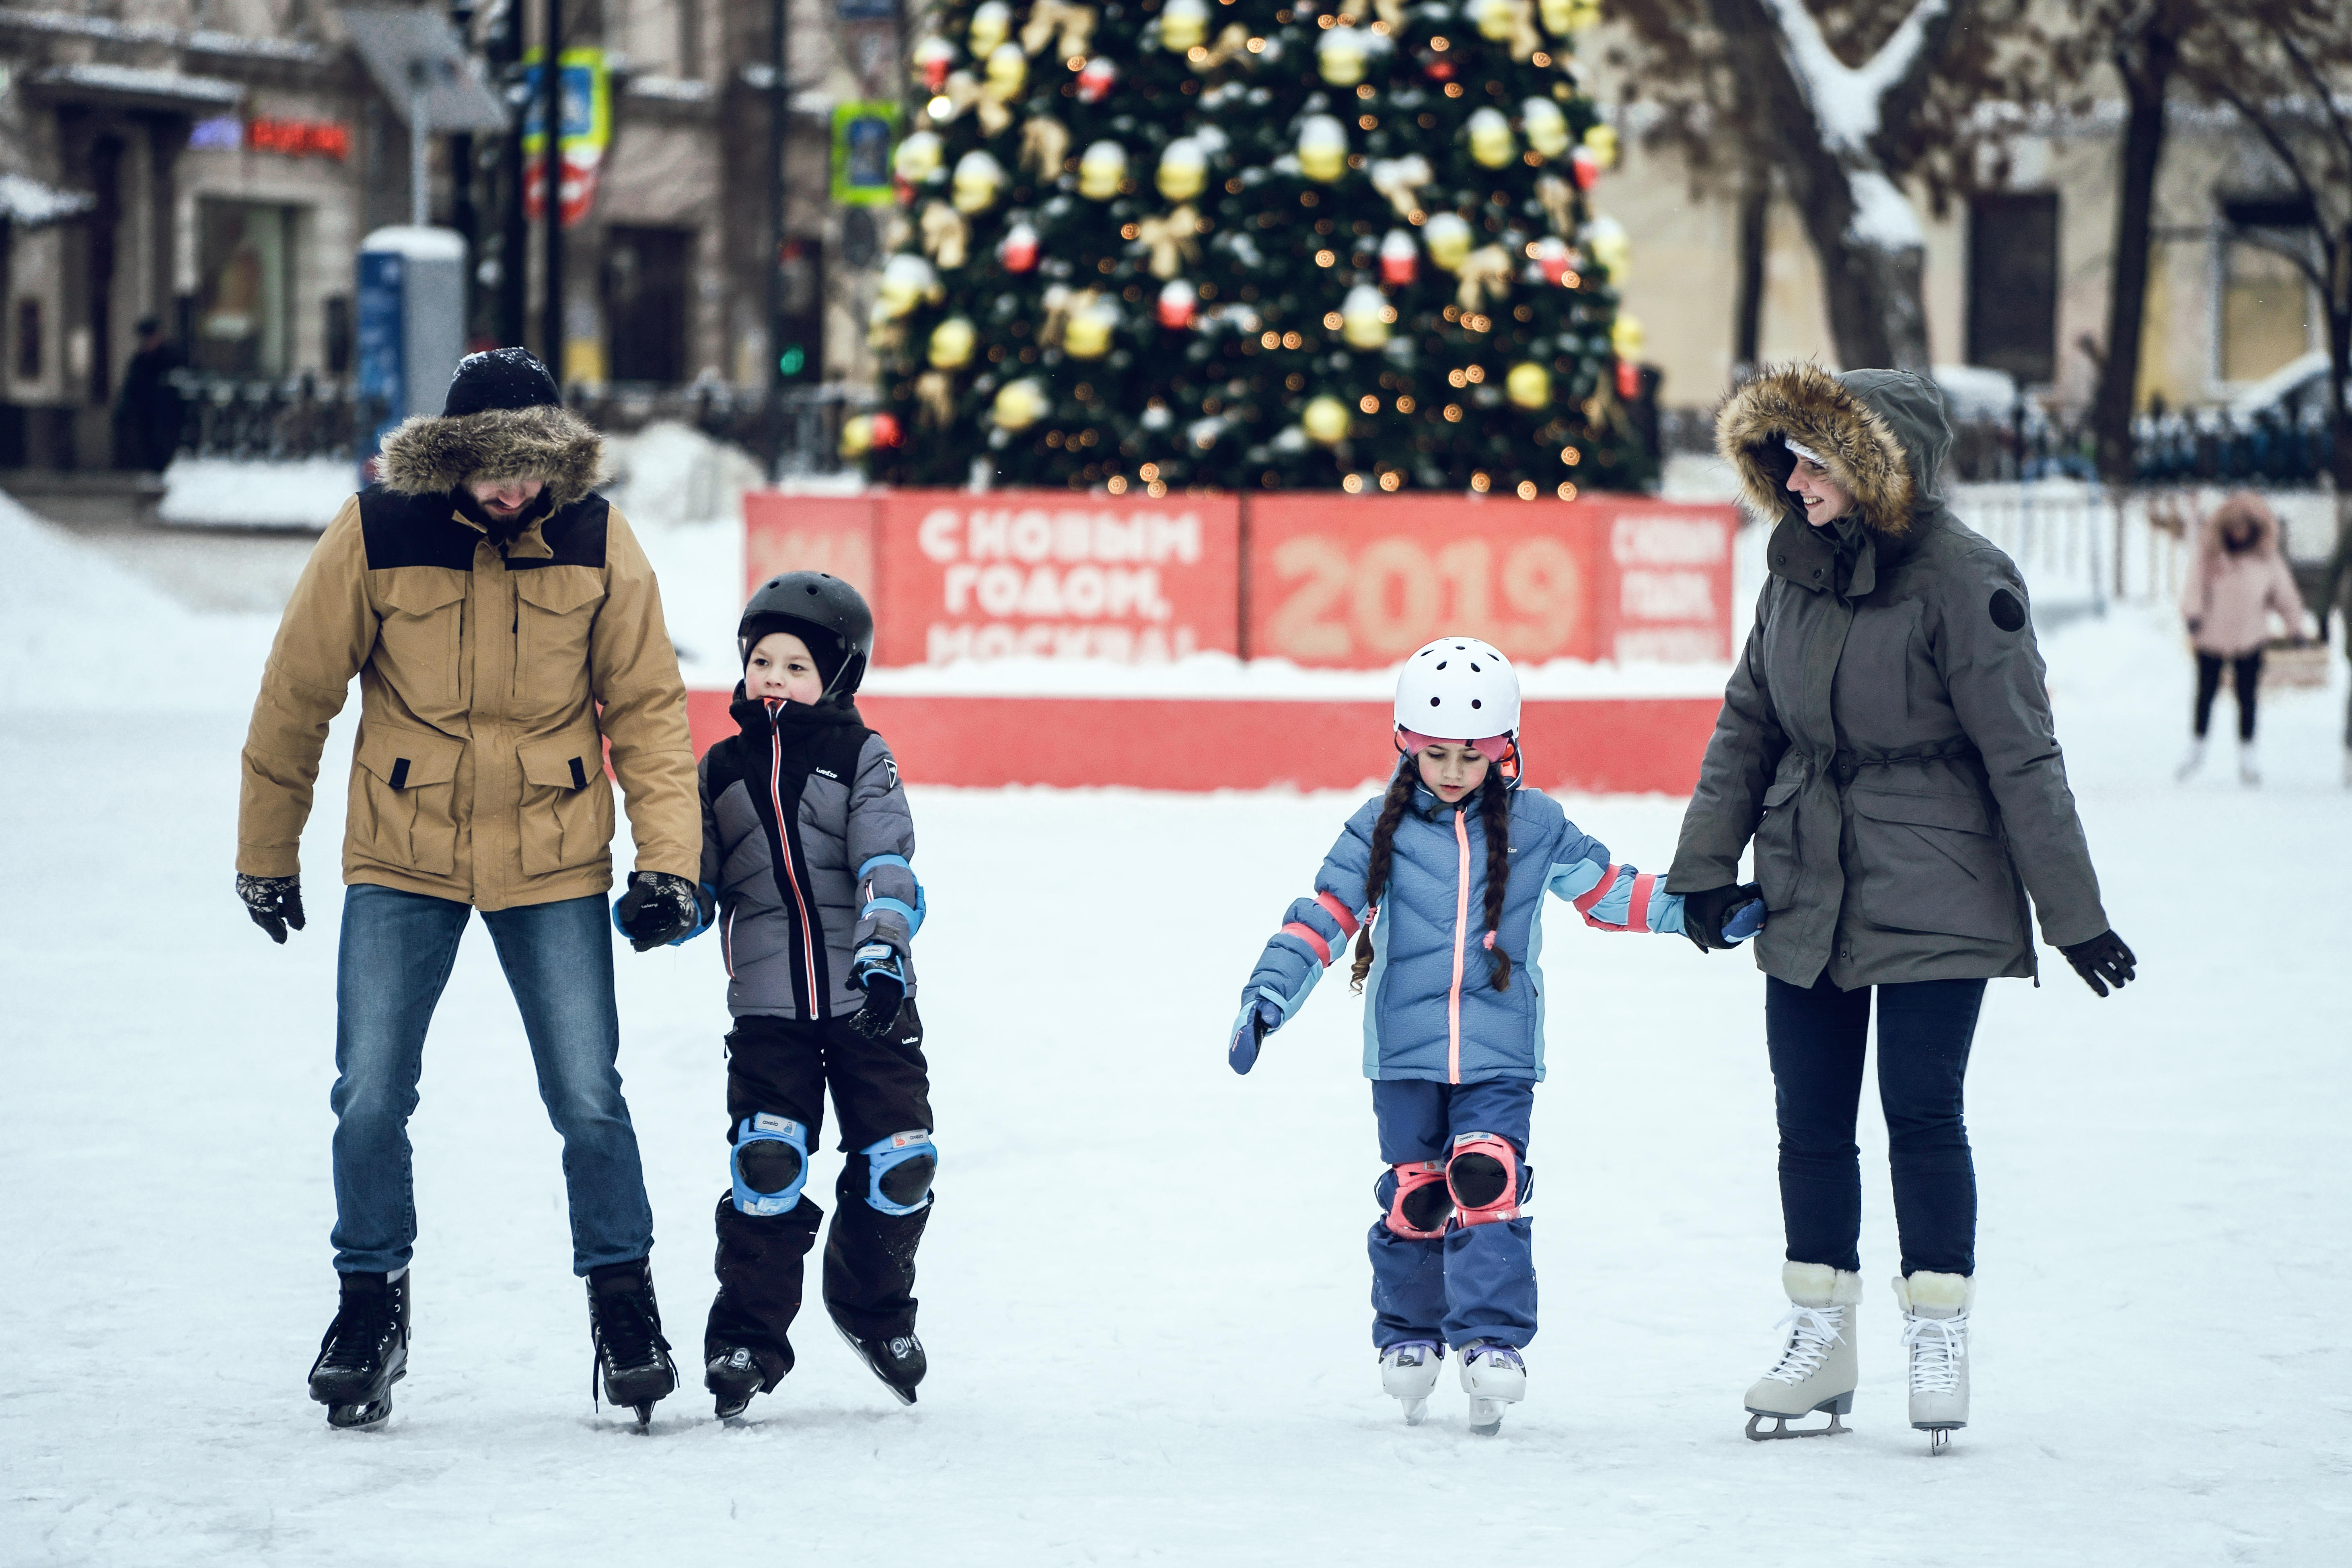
{"x": 1603, "y": 139}
{"x": 951, "y": 344}
{"x": 1325, "y": 420}
{"x": 978, "y": 178}
{"x": 1546, "y": 126}
{"x": 1528, "y": 385}
{"x": 1184, "y": 170}
{"x": 919, "y": 157}
{"x": 1565, "y": 18}
{"x": 1019, "y": 404}
{"x": 1183, "y": 25}
{"x": 1498, "y": 19}
{"x": 1088, "y": 333}
{"x": 1008, "y": 70}
{"x": 1448, "y": 237}
{"x": 907, "y": 280}
{"x": 991, "y": 23}
{"x": 1322, "y": 148}
{"x": 1101, "y": 167}
{"x": 1360, "y": 314}
{"x": 856, "y": 436}
{"x": 1490, "y": 138}
{"x": 1341, "y": 56}
{"x": 1627, "y": 338}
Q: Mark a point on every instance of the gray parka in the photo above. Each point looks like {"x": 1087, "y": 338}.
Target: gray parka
{"x": 1888, "y": 743}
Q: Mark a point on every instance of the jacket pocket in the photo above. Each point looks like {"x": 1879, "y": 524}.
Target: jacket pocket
{"x": 1778, "y": 865}
{"x": 409, "y": 814}
{"x": 565, "y": 818}
{"x": 420, "y": 641}
{"x": 1931, "y": 863}
{"x": 555, "y": 620}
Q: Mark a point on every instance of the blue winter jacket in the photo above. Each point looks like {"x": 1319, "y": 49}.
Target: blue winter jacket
{"x": 1431, "y": 1008}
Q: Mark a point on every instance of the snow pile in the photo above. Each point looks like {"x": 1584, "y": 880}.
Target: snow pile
{"x": 222, "y": 492}
{"x": 78, "y": 632}
{"x": 672, "y": 475}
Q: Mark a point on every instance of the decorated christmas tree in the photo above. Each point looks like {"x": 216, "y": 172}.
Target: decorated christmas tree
{"x": 1233, "y": 244}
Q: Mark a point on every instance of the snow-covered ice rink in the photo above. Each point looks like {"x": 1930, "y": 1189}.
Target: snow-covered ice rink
{"x": 1144, "y": 1289}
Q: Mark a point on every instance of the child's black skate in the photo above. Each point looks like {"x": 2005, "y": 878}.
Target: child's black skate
{"x": 364, "y": 1352}
{"x": 897, "y": 1361}
{"x": 733, "y": 1376}
{"x": 625, "y": 1325}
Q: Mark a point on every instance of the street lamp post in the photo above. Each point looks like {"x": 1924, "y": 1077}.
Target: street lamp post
{"x": 779, "y": 106}
{"x": 550, "y": 321}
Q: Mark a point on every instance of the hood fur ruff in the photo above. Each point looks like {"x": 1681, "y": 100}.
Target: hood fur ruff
{"x": 431, "y": 454}
{"x": 2241, "y": 506}
{"x": 1805, "y": 404}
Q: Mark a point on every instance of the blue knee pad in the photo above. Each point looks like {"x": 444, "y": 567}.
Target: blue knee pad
{"x": 900, "y": 1170}
{"x": 776, "y": 1148}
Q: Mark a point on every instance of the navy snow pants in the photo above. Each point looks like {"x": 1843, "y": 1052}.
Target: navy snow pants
{"x": 1476, "y": 1282}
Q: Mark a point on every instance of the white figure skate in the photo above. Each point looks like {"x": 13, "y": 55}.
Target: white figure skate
{"x": 1409, "y": 1373}
{"x": 1494, "y": 1375}
{"x": 1935, "y": 1343}
{"x": 1817, "y": 1369}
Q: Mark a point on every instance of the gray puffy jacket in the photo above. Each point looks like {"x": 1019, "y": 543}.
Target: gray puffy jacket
{"x": 1887, "y": 740}
{"x": 805, "y": 828}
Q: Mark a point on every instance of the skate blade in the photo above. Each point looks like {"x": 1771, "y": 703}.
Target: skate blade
{"x": 1416, "y": 1411}
{"x": 903, "y": 1395}
{"x": 365, "y": 1417}
{"x": 1781, "y": 1428}
{"x": 1486, "y": 1416}
{"x": 1938, "y": 1438}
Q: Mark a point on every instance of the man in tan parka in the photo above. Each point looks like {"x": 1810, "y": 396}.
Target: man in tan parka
{"x": 505, "y": 628}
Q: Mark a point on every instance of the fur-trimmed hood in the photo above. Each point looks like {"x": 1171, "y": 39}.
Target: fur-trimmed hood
{"x": 1882, "y": 434}
{"x": 2241, "y": 506}
{"x": 430, "y": 454}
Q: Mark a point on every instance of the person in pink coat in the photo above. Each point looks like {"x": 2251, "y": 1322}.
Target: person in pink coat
{"x": 2239, "y": 579}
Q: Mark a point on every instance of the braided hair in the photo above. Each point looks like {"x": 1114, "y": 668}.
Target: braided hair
{"x": 1495, "y": 814}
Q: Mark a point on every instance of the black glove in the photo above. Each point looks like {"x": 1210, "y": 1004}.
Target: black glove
{"x": 274, "y": 902}
{"x": 2102, "y": 962}
{"x": 658, "y": 909}
{"x": 1705, "y": 912}
{"x": 876, "y": 972}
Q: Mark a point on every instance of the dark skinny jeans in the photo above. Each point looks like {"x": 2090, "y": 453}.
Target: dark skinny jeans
{"x": 2245, "y": 676}
{"x": 1817, "y": 1039}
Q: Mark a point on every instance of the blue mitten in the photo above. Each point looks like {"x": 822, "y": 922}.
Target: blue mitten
{"x": 1744, "y": 922}
{"x": 1250, "y": 1030}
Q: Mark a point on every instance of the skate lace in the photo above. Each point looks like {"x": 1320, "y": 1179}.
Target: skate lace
{"x": 625, "y": 1331}
{"x": 1937, "y": 1346}
{"x": 360, "y": 1325}
{"x": 1812, "y": 1331}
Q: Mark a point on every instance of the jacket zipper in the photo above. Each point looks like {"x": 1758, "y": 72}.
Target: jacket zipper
{"x": 1460, "y": 931}
{"x": 727, "y": 943}
{"x": 791, "y": 876}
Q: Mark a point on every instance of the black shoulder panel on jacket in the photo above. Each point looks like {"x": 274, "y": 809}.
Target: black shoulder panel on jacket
{"x": 576, "y": 534}
{"x": 414, "y": 531}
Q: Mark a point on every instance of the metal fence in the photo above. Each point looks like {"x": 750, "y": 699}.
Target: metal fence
{"x": 309, "y": 416}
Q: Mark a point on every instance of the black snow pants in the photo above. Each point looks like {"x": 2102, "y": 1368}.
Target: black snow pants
{"x": 2245, "y": 678}
{"x": 783, "y": 1066}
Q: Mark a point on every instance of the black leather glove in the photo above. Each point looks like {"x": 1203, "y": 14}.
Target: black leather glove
{"x": 2102, "y": 962}
{"x": 274, "y": 902}
{"x": 876, "y": 972}
{"x": 1704, "y": 914}
{"x": 658, "y": 909}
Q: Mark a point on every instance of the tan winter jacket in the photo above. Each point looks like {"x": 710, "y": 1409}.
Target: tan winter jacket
{"x": 490, "y": 682}
{"x": 2228, "y": 598}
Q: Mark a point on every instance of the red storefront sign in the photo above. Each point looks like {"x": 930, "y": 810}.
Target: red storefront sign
{"x": 298, "y": 138}
{"x": 1356, "y": 584}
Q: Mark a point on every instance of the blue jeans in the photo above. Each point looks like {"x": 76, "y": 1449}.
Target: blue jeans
{"x": 1816, "y": 1036}
{"x": 1476, "y": 1282}
{"x": 396, "y": 952}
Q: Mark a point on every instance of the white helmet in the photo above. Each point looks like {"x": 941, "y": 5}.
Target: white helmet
{"x": 1458, "y": 688}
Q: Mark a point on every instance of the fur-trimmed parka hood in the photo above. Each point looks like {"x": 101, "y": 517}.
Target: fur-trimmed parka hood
{"x": 1882, "y": 434}
{"x": 2241, "y": 506}
{"x": 430, "y": 454}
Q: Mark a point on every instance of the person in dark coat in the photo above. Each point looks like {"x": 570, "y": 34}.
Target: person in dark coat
{"x": 1887, "y": 741}
{"x": 147, "y": 414}
{"x": 2335, "y": 594}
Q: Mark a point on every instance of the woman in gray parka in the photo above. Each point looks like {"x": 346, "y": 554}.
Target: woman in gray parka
{"x": 1887, "y": 741}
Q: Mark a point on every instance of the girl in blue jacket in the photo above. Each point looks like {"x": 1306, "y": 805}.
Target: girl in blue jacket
{"x": 1441, "y": 883}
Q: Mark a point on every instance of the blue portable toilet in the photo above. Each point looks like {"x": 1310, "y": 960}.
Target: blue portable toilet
{"x": 412, "y": 326}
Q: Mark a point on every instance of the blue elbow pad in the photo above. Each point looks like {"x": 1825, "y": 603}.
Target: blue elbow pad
{"x": 900, "y": 1167}
{"x": 775, "y": 1150}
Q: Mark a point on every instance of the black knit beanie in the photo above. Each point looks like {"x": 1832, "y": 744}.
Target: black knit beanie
{"x": 500, "y": 378}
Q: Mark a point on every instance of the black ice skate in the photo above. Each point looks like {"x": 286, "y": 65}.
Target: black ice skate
{"x": 733, "y": 1376}
{"x": 364, "y": 1352}
{"x": 624, "y": 1324}
{"x": 897, "y": 1361}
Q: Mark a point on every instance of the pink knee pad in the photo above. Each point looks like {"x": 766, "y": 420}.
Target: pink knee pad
{"x": 1482, "y": 1173}
{"x": 1413, "y": 1200}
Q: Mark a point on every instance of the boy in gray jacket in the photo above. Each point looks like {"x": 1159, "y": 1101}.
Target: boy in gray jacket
{"x": 806, "y": 839}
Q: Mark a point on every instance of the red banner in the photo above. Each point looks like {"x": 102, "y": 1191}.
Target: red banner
{"x": 1331, "y": 582}
{"x": 1360, "y": 583}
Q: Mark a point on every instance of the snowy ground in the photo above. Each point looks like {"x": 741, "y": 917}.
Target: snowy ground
{"x": 1144, "y": 1289}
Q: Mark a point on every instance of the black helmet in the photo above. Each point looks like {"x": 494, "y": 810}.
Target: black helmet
{"x": 824, "y": 611}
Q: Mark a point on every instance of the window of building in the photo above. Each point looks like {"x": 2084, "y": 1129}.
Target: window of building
{"x": 2268, "y": 314}
{"x": 244, "y": 320}
{"x": 2013, "y": 284}
{"x": 645, "y": 302}
{"x": 28, "y": 339}
{"x": 339, "y": 334}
